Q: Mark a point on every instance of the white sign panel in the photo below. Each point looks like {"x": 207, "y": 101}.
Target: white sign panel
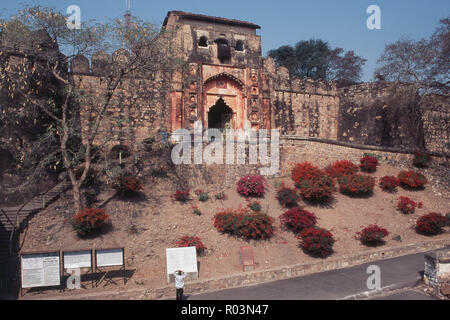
{"x": 77, "y": 259}
{"x": 40, "y": 270}
{"x": 109, "y": 257}
{"x": 184, "y": 259}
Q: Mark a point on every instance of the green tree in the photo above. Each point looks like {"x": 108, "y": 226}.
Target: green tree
{"x": 315, "y": 59}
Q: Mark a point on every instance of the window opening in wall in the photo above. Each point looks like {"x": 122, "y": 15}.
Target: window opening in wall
{"x": 203, "y": 42}
{"x": 223, "y": 50}
{"x": 240, "y": 45}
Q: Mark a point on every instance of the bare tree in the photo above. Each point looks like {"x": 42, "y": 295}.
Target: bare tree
{"x": 417, "y": 69}
{"x": 40, "y": 80}
{"x": 424, "y": 63}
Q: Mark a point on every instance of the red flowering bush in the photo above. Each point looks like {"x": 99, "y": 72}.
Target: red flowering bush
{"x": 317, "y": 241}
{"x": 319, "y": 189}
{"x": 298, "y": 219}
{"x": 305, "y": 171}
{"x": 356, "y": 184}
{"x": 389, "y": 183}
{"x": 421, "y": 159}
{"x": 412, "y": 179}
{"x": 88, "y": 220}
{"x": 127, "y": 184}
{"x": 287, "y": 197}
{"x": 340, "y": 168}
{"x": 368, "y": 164}
{"x": 182, "y": 195}
{"x": 313, "y": 184}
{"x": 407, "y": 206}
{"x": 431, "y": 224}
{"x": 245, "y": 224}
{"x": 188, "y": 241}
{"x": 251, "y": 186}
{"x": 372, "y": 235}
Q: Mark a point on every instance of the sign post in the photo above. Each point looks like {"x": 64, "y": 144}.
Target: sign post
{"x": 106, "y": 258}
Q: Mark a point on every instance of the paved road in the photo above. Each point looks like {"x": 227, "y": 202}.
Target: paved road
{"x": 348, "y": 283}
{"x": 406, "y": 295}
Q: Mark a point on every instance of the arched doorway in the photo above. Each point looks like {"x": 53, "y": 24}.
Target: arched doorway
{"x": 220, "y": 116}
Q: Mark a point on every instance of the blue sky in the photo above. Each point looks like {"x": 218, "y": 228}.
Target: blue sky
{"x": 341, "y": 23}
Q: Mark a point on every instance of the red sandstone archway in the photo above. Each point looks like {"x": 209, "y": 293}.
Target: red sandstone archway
{"x": 230, "y": 90}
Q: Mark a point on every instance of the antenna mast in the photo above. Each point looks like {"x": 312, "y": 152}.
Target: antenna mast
{"x": 127, "y": 15}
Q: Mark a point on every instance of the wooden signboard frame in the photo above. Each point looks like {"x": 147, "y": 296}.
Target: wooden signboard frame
{"x": 106, "y": 274}
{"x": 89, "y": 270}
{"x": 37, "y": 253}
{"x": 247, "y": 261}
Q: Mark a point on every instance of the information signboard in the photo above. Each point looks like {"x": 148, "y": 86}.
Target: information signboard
{"x": 77, "y": 259}
{"x": 109, "y": 257}
{"x": 184, "y": 259}
{"x": 40, "y": 269}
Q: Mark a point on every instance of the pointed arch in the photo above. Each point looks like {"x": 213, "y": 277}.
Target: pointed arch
{"x": 226, "y": 75}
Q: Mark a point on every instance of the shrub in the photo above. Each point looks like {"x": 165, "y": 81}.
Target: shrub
{"x": 251, "y": 186}
{"x": 254, "y": 206}
{"x": 298, "y": 219}
{"x": 431, "y": 224}
{"x": 368, "y": 164}
{"x": 421, "y": 159}
{"x": 88, "y": 220}
{"x": 305, "y": 171}
{"x": 196, "y": 211}
{"x": 319, "y": 189}
{"x": 91, "y": 179}
{"x": 120, "y": 150}
{"x": 127, "y": 184}
{"x": 317, "y": 241}
{"x": 203, "y": 197}
{"x": 90, "y": 195}
{"x": 286, "y": 196}
{"x": 220, "y": 196}
{"x": 356, "y": 184}
{"x": 372, "y": 235}
{"x": 412, "y": 179}
{"x": 313, "y": 183}
{"x": 159, "y": 173}
{"x": 245, "y": 224}
{"x": 188, "y": 241}
{"x": 407, "y": 206}
{"x": 340, "y": 168}
{"x": 389, "y": 183}
{"x": 182, "y": 195}
{"x": 373, "y": 155}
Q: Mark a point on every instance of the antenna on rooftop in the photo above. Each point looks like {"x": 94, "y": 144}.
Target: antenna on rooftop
{"x": 127, "y": 15}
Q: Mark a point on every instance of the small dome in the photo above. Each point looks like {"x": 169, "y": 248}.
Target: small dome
{"x": 79, "y": 64}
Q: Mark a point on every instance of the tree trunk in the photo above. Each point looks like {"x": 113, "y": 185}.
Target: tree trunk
{"x": 77, "y": 203}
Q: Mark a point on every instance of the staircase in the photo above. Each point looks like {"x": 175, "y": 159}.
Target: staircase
{"x": 11, "y": 219}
